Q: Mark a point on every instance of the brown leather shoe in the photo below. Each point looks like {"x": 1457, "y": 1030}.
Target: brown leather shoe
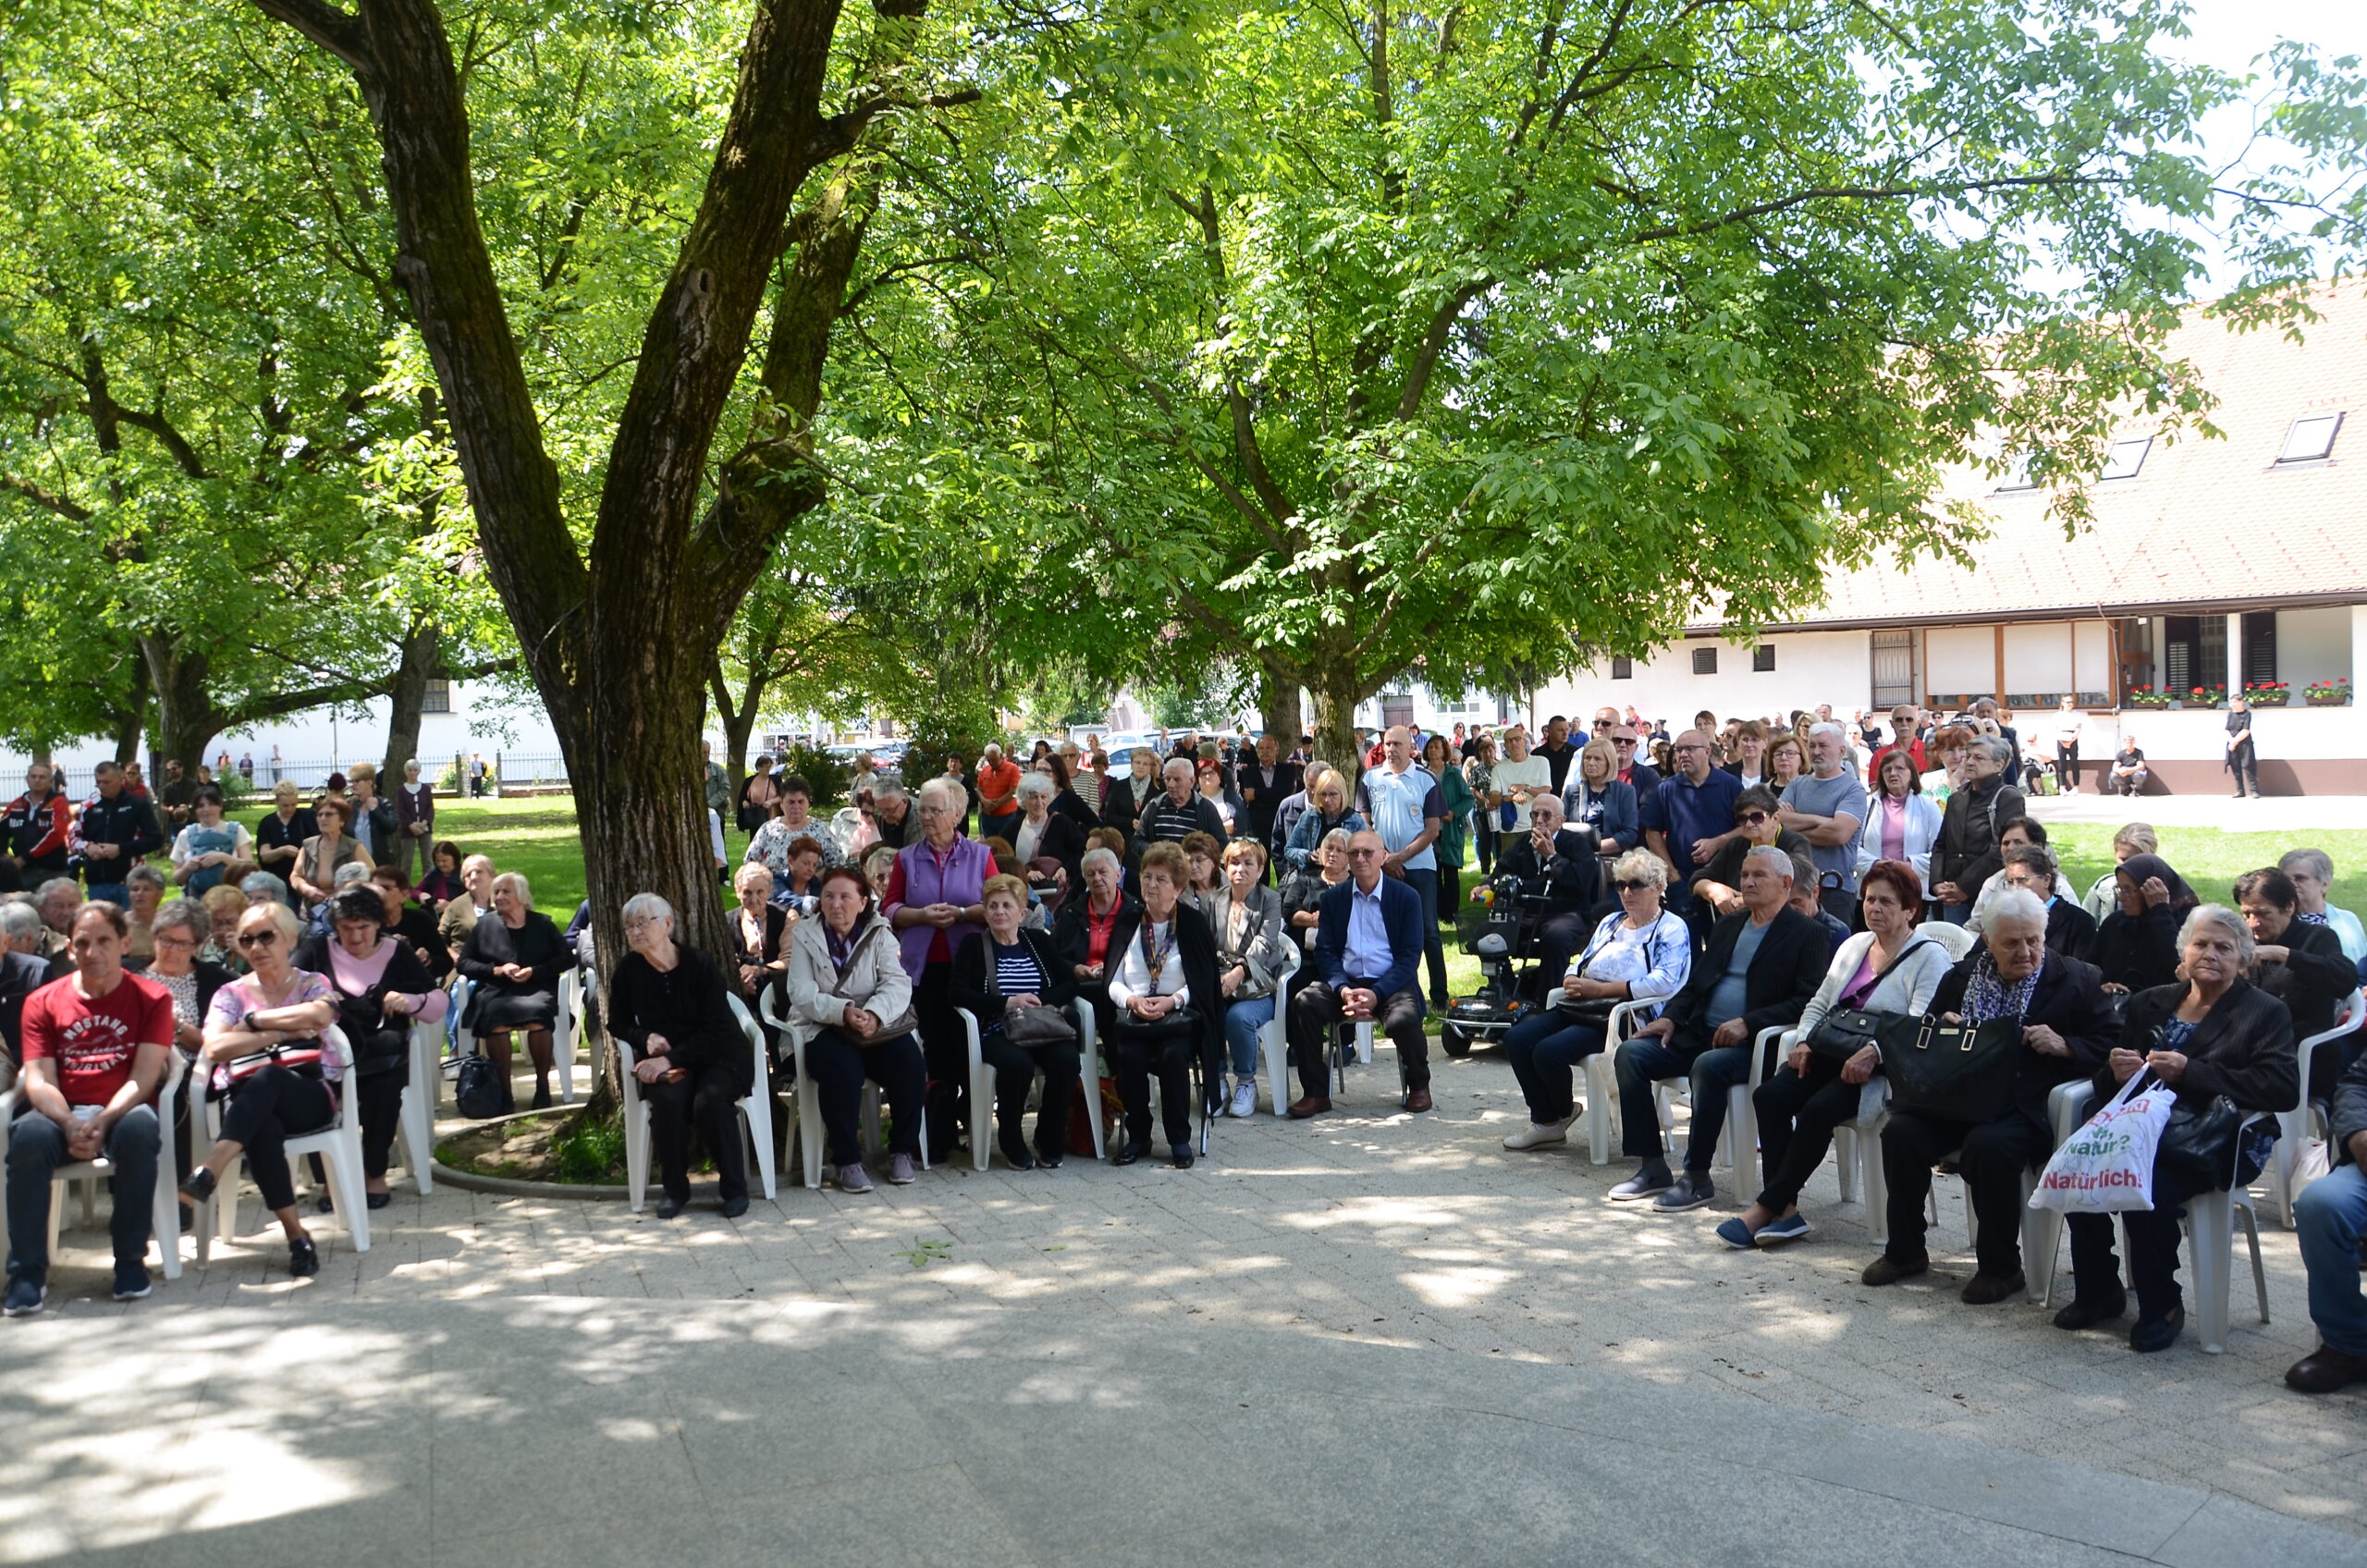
{"x": 2326, "y": 1369}
{"x": 1313, "y": 1104}
{"x": 1988, "y": 1290}
{"x": 1417, "y": 1100}
{"x": 1888, "y": 1270}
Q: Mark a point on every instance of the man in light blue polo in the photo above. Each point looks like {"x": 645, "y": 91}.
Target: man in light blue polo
{"x": 1406, "y": 807}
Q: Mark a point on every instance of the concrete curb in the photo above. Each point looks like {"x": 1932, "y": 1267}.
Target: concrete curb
{"x": 505, "y": 1186}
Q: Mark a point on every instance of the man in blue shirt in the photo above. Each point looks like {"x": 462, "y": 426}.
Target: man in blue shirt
{"x": 1367, "y": 943}
{"x": 1686, "y": 817}
{"x": 1406, "y": 807}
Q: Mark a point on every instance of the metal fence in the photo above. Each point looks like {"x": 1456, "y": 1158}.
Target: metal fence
{"x": 517, "y": 770}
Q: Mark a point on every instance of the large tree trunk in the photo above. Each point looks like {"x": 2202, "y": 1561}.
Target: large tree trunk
{"x": 132, "y": 717}
{"x": 738, "y": 724}
{"x": 408, "y": 697}
{"x": 1279, "y": 708}
{"x": 186, "y": 718}
{"x": 1336, "y": 697}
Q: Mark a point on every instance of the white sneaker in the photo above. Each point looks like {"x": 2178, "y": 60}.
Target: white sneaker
{"x": 1537, "y": 1134}
{"x": 1245, "y": 1098}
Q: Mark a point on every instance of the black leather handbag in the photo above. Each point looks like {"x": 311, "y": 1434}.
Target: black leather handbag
{"x": 1844, "y": 1032}
{"x": 1954, "y": 1072}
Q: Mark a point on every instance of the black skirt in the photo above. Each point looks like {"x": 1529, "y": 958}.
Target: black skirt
{"x": 502, "y": 1008}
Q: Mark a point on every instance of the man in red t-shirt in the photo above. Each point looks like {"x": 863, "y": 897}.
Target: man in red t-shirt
{"x": 96, "y": 1044}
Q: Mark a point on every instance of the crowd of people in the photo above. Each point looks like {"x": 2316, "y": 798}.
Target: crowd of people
{"x": 1695, "y": 896}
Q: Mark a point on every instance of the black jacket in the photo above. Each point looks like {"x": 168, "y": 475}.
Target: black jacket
{"x": 1571, "y": 880}
{"x": 1790, "y": 964}
{"x": 1063, "y": 840}
{"x": 2071, "y": 930}
{"x": 970, "y": 975}
{"x": 1071, "y": 935}
{"x": 2242, "y": 1050}
{"x": 1122, "y": 808}
{"x": 1070, "y": 804}
{"x": 379, "y": 1044}
{"x": 1966, "y": 853}
{"x": 128, "y": 820}
{"x": 1197, "y": 945}
{"x": 898, "y": 835}
{"x": 2140, "y": 953}
{"x": 2070, "y": 1001}
{"x": 1260, "y": 799}
{"x": 2312, "y": 981}
{"x": 690, "y": 1006}
{"x": 20, "y": 975}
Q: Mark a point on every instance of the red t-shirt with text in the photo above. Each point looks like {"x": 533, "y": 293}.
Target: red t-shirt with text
{"x": 94, "y": 1040}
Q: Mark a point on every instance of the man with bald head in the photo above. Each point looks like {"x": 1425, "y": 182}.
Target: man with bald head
{"x": 1558, "y": 865}
{"x": 1687, "y": 817}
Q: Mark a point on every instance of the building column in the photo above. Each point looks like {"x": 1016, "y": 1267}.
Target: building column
{"x": 2235, "y": 655}
{"x": 2358, "y": 644}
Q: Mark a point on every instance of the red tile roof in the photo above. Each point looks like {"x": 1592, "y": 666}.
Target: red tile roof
{"x": 2205, "y": 522}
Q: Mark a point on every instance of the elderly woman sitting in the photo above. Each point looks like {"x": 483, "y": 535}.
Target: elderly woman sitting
{"x": 1302, "y": 889}
{"x": 2212, "y": 1033}
{"x": 329, "y": 848}
{"x": 1043, "y": 834}
{"x": 1164, "y": 982}
{"x": 758, "y": 929}
{"x": 998, "y": 971}
{"x": 380, "y": 987}
{"x": 671, "y": 1005}
{"x": 1884, "y": 969}
{"x": 515, "y": 958}
{"x": 2299, "y": 964}
{"x": 1639, "y": 952}
{"x": 2059, "y": 1005}
{"x": 145, "y": 885}
{"x": 263, "y": 1050}
{"x": 1081, "y": 934}
{"x": 1254, "y": 944}
{"x": 847, "y": 982}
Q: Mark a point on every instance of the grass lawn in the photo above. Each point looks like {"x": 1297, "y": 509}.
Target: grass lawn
{"x": 537, "y": 836}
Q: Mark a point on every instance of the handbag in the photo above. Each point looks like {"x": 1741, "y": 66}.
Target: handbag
{"x": 2213, "y": 1147}
{"x": 1844, "y": 1032}
{"x": 1037, "y": 1025}
{"x": 1952, "y": 1072}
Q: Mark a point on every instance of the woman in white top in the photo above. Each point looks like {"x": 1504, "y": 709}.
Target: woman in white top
{"x": 1900, "y": 824}
{"x": 211, "y": 851}
{"x": 2068, "y": 722}
{"x": 1885, "y": 968}
{"x": 1640, "y": 953}
{"x": 1168, "y": 1005}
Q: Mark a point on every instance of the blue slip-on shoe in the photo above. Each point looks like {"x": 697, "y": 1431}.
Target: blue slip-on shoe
{"x": 1777, "y": 1232}
{"x": 1736, "y": 1235}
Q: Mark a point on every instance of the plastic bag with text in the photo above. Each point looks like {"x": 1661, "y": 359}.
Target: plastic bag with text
{"x": 2107, "y": 1166}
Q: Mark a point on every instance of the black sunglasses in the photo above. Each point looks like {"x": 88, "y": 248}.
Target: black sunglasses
{"x": 1751, "y": 818}
{"x": 1627, "y": 886}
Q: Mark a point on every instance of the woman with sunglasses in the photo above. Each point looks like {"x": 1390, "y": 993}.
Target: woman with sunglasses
{"x": 1639, "y": 952}
{"x": 1720, "y": 881}
{"x": 273, "y": 1005}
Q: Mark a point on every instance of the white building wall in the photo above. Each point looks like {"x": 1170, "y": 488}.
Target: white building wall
{"x": 2314, "y": 645}
{"x": 1810, "y": 668}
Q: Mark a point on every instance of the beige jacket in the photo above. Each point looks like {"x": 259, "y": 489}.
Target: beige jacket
{"x": 875, "y": 981}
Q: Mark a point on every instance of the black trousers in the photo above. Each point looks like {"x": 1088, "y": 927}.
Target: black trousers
{"x": 945, "y": 1045}
{"x": 2152, "y": 1250}
{"x": 378, "y": 1100}
{"x": 1315, "y": 1013}
{"x": 1016, "y": 1069}
{"x": 2066, "y": 766}
{"x": 1483, "y": 844}
{"x": 1140, "y": 1054}
{"x": 1797, "y": 1112}
{"x": 1558, "y": 937}
{"x": 708, "y": 1096}
{"x": 838, "y": 1068}
{"x": 1994, "y": 1156}
{"x": 262, "y": 1112}
{"x": 2244, "y": 763}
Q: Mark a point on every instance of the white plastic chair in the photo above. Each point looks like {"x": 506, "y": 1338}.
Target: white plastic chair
{"x": 755, "y": 1115}
{"x": 464, "y": 1039}
{"x": 2067, "y": 1106}
{"x": 340, "y": 1144}
{"x": 1273, "y": 1038}
{"x": 2210, "y": 1234}
{"x": 417, "y": 1144}
{"x": 89, "y": 1173}
{"x": 1737, "y": 1142}
{"x": 2297, "y": 1126}
{"x": 982, "y": 1089}
{"x": 1602, "y": 1078}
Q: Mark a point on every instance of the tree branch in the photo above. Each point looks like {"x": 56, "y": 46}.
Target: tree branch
{"x": 838, "y": 135}
{"x": 333, "y": 30}
{"x": 38, "y": 497}
{"x": 157, "y": 424}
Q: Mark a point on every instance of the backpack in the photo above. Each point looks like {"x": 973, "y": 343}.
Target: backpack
{"x": 478, "y": 1091}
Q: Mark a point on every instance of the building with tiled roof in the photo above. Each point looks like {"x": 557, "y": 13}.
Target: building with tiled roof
{"x": 2209, "y": 562}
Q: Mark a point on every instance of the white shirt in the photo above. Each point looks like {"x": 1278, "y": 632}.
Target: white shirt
{"x": 1533, "y": 771}
{"x": 1132, "y": 977}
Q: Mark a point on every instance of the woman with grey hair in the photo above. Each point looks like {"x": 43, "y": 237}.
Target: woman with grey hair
{"x": 1043, "y": 834}
{"x": 1081, "y": 932}
{"x": 145, "y": 885}
{"x": 2212, "y": 1033}
{"x": 1967, "y": 853}
{"x": 670, "y": 1005}
{"x": 515, "y": 958}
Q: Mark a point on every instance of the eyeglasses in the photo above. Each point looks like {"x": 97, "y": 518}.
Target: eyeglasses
{"x": 257, "y": 938}
{"x": 164, "y": 941}
{"x": 1605, "y": 723}
{"x": 1751, "y": 818}
{"x": 1627, "y": 741}
{"x": 1626, "y": 887}
{"x": 1680, "y": 751}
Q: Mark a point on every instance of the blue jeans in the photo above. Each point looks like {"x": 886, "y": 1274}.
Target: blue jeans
{"x": 1543, "y": 1049}
{"x": 1426, "y": 884}
{"x": 113, "y": 893}
{"x": 37, "y": 1147}
{"x": 1643, "y": 1061}
{"x": 2329, "y": 1214}
{"x": 1242, "y": 1022}
{"x": 1956, "y": 915}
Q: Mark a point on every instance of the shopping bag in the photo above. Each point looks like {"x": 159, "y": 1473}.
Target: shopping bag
{"x": 2107, "y": 1166}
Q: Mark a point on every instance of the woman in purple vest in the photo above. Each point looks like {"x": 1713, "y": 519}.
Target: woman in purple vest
{"x": 934, "y": 900}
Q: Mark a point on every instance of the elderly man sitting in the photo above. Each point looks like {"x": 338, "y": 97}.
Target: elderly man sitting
{"x": 2331, "y": 1216}
{"x": 1558, "y": 864}
{"x": 1759, "y": 971}
{"x": 1368, "y": 957}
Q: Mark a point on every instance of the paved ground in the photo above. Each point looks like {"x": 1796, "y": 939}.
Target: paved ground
{"x": 1369, "y": 1339}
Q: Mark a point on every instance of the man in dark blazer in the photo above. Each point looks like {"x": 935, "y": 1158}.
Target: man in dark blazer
{"x": 1759, "y": 971}
{"x": 1558, "y": 865}
{"x": 1367, "y": 956}
{"x": 1264, "y": 785}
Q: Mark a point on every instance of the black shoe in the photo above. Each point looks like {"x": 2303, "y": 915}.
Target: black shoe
{"x": 303, "y": 1258}
{"x": 1015, "y": 1151}
{"x": 1047, "y": 1161}
{"x": 668, "y": 1208}
{"x": 2081, "y": 1314}
{"x": 378, "y": 1200}
{"x": 1135, "y": 1148}
{"x": 323, "y": 1204}
{"x": 2157, "y": 1333}
{"x": 734, "y": 1208}
{"x": 542, "y": 1097}
{"x": 198, "y": 1185}
{"x": 1183, "y": 1156}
